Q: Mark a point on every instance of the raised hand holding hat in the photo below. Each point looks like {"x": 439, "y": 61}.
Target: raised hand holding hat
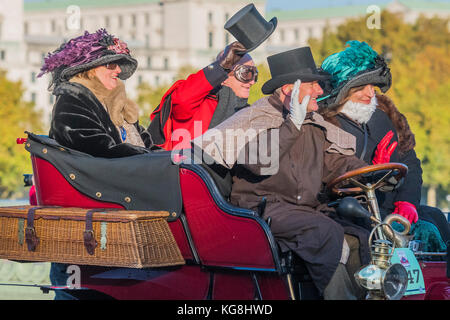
{"x": 232, "y": 54}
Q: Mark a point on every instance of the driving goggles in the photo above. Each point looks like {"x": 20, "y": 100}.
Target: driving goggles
{"x": 245, "y": 73}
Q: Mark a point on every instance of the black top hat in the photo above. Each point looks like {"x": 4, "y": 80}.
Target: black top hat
{"x": 249, "y": 27}
{"x": 287, "y": 67}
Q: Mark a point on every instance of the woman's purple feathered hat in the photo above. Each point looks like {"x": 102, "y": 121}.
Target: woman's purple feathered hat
{"x": 86, "y": 52}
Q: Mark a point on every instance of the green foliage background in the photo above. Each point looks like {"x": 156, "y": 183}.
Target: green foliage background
{"x": 419, "y": 58}
{"x": 16, "y": 116}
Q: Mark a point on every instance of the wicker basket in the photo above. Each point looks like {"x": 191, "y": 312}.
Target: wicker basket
{"x": 120, "y": 238}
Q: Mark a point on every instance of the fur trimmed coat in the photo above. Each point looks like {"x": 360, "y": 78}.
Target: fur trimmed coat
{"x": 81, "y": 122}
{"x": 385, "y": 118}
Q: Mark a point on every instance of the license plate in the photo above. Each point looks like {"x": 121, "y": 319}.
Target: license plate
{"x": 416, "y": 283}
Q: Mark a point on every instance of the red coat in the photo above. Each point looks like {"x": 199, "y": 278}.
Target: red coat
{"x": 189, "y": 110}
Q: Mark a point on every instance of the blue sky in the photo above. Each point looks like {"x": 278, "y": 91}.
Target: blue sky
{"x": 306, "y": 4}
{"x": 302, "y": 4}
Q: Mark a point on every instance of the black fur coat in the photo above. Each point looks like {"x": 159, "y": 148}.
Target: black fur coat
{"x": 387, "y": 117}
{"x": 80, "y": 122}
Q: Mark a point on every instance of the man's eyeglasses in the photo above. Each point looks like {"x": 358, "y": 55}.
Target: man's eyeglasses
{"x": 245, "y": 73}
{"x": 111, "y": 66}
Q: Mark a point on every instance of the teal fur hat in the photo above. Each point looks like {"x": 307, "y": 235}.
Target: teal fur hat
{"x": 355, "y": 66}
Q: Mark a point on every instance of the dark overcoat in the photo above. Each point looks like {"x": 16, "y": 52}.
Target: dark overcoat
{"x": 298, "y": 219}
{"x": 80, "y": 122}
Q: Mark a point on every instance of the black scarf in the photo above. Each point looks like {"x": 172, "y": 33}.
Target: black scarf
{"x": 228, "y": 104}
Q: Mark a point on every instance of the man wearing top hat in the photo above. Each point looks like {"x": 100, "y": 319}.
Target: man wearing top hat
{"x": 211, "y": 95}
{"x": 310, "y": 153}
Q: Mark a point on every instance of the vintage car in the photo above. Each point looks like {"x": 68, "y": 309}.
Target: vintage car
{"x": 228, "y": 252}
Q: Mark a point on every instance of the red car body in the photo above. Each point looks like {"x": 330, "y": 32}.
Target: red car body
{"x": 230, "y": 252}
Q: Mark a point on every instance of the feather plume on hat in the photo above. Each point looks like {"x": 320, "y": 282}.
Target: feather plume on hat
{"x": 358, "y": 64}
{"x": 88, "y": 51}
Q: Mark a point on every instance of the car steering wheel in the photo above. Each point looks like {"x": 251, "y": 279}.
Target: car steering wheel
{"x": 367, "y": 178}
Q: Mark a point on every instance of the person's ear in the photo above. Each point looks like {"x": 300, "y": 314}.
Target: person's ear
{"x": 287, "y": 89}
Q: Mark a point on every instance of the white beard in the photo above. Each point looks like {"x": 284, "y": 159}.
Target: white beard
{"x": 360, "y": 112}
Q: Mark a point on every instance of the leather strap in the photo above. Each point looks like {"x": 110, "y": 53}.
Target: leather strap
{"x": 31, "y": 238}
{"x": 88, "y": 235}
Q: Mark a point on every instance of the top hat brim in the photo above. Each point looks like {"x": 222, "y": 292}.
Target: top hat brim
{"x": 126, "y": 63}
{"x": 270, "y": 86}
{"x": 273, "y": 25}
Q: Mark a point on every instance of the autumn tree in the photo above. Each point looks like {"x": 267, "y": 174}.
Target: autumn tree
{"x": 419, "y": 57}
{"x": 17, "y": 116}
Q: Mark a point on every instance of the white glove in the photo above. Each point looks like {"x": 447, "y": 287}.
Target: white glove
{"x": 297, "y": 110}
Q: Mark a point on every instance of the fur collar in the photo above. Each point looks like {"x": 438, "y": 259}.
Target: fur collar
{"x": 406, "y": 139}
{"x": 119, "y": 107}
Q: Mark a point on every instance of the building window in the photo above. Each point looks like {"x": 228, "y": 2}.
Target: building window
{"x": 147, "y": 19}
{"x": 149, "y": 62}
{"x": 53, "y": 25}
{"x": 296, "y": 34}
{"x": 210, "y": 17}
{"x": 166, "y": 63}
{"x": 133, "y": 20}
{"x": 33, "y": 97}
{"x": 2, "y": 55}
{"x": 210, "y": 39}
{"x": 33, "y": 77}
{"x": 227, "y": 38}
{"x": 157, "y": 81}
{"x": 107, "y": 22}
{"x": 120, "y": 21}
{"x": 51, "y": 98}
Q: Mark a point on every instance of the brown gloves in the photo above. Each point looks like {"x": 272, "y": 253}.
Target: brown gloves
{"x": 232, "y": 54}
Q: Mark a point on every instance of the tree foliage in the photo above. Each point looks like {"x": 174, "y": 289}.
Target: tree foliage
{"x": 17, "y": 116}
{"x": 419, "y": 57}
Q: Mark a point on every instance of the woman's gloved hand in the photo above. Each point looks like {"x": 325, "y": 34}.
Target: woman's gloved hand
{"x": 298, "y": 110}
{"x": 231, "y": 55}
{"x": 407, "y": 210}
{"x": 383, "y": 152}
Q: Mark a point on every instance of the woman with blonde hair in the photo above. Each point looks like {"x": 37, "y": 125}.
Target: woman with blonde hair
{"x": 92, "y": 113}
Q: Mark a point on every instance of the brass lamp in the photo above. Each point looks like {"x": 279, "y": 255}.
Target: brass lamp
{"x": 382, "y": 279}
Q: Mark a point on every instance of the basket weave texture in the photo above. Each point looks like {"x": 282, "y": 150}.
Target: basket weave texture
{"x": 125, "y": 238}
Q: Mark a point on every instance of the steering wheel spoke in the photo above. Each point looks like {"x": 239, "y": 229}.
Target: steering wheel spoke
{"x": 358, "y": 179}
